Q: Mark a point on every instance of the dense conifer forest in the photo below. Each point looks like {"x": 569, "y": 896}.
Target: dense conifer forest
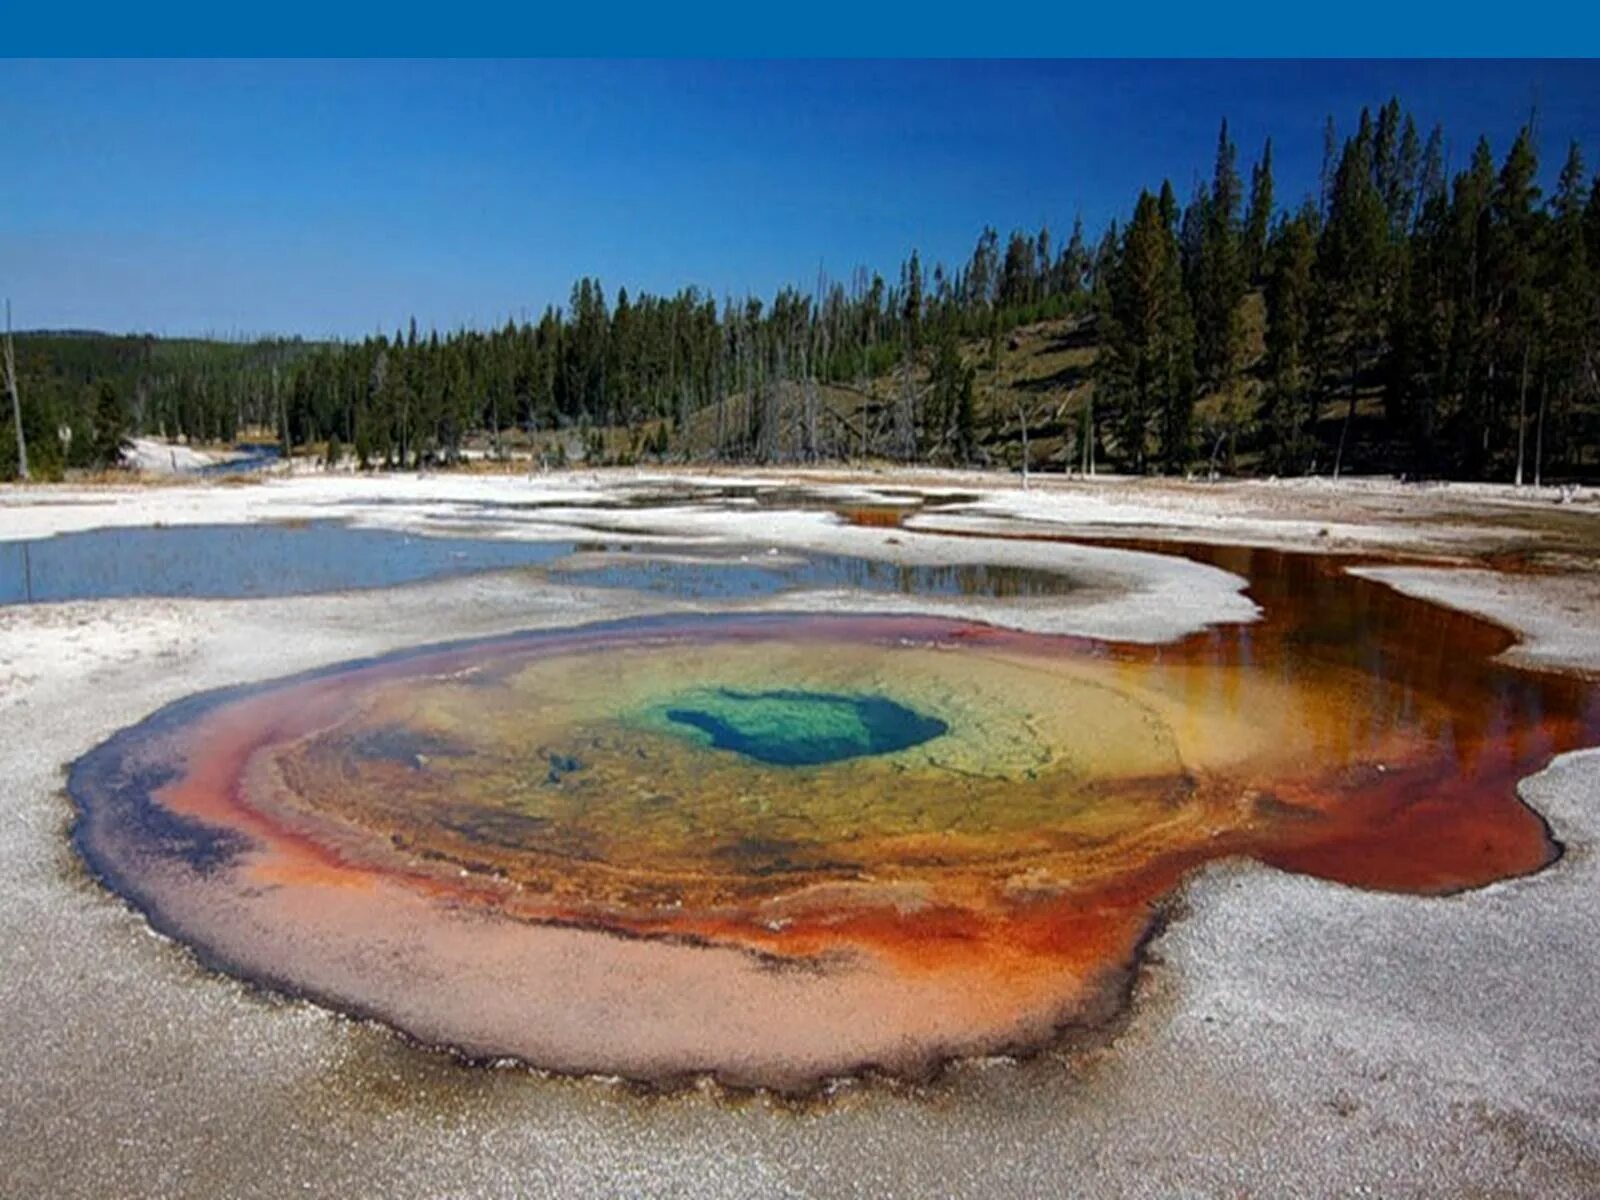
{"x": 1408, "y": 318}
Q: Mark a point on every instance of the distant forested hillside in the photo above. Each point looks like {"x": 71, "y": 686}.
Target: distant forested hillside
{"x": 83, "y": 392}
{"x": 1404, "y": 319}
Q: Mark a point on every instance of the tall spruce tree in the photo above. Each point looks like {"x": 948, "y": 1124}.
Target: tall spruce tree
{"x": 1145, "y": 377}
{"x": 1351, "y": 271}
{"x": 1569, "y": 281}
{"x": 110, "y": 426}
{"x": 1258, "y": 219}
{"x": 1417, "y": 373}
{"x": 1219, "y": 282}
{"x": 1471, "y": 363}
{"x": 1516, "y": 304}
{"x": 1292, "y": 257}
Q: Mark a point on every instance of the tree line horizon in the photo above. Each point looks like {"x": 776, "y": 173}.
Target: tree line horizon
{"x": 1404, "y": 319}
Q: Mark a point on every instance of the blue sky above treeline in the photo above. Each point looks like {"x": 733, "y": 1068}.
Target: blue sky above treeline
{"x": 338, "y": 198}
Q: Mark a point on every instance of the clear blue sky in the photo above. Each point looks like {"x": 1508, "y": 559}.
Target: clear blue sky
{"x": 337, "y": 198}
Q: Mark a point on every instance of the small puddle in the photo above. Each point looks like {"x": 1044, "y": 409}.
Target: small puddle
{"x": 757, "y": 575}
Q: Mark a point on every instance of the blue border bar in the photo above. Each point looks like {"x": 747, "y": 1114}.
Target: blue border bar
{"x": 830, "y": 28}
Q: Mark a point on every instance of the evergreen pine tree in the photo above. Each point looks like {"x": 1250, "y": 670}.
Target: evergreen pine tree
{"x": 1289, "y": 295}
{"x": 1516, "y": 303}
{"x": 1569, "y": 278}
{"x": 110, "y": 426}
{"x": 1470, "y": 361}
{"x": 1219, "y": 282}
{"x": 1145, "y": 375}
{"x": 1259, "y": 217}
{"x": 1351, "y": 271}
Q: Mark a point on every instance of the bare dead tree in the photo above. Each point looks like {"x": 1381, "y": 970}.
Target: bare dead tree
{"x": 280, "y": 406}
{"x": 1216, "y": 452}
{"x": 1029, "y": 411}
{"x": 905, "y": 414}
{"x": 814, "y": 351}
{"x": 16, "y": 399}
{"x": 1088, "y": 437}
{"x": 1022, "y": 420}
{"x": 859, "y": 291}
{"x": 1522, "y": 410}
{"x": 1538, "y": 439}
{"x": 719, "y": 389}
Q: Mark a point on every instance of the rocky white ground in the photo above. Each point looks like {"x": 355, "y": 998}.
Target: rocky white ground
{"x": 167, "y": 458}
{"x": 1289, "y": 1037}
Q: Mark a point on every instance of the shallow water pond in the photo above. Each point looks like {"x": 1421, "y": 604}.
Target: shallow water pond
{"x": 288, "y": 559}
{"x": 224, "y": 561}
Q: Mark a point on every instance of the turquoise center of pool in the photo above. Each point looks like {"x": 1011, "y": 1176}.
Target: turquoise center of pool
{"x": 789, "y": 728}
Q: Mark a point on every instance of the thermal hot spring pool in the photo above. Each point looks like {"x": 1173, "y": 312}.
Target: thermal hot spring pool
{"x": 780, "y": 848}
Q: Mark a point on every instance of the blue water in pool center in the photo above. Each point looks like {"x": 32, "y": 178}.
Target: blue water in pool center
{"x": 791, "y": 728}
